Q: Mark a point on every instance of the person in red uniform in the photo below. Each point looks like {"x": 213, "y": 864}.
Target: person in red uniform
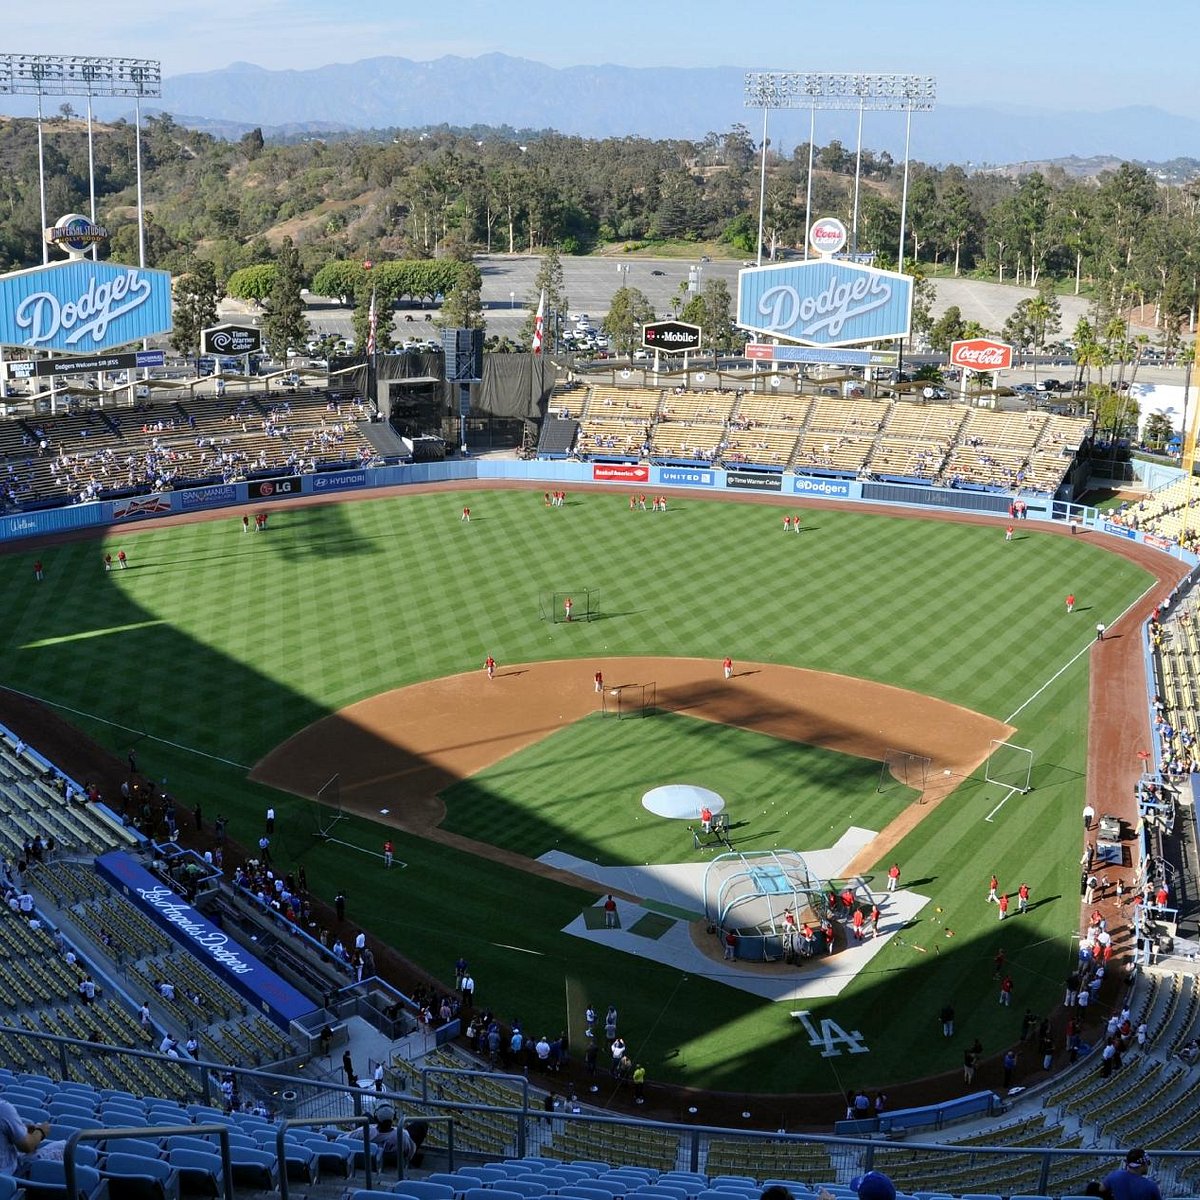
{"x": 1003, "y": 902}
{"x": 787, "y": 524}
{"x": 1008, "y": 534}
{"x": 893, "y": 876}
{"x": 598, "y": 679}
{"x": 389, "y": 852}
{"x": 1023, "y": 897}
{"x": 489, "y": 665}
{"x": 37, "y": 571}
{"x": 568, "y": 604}
{"x": 1071, "y": 602}
{"x": 466, "y": 515}
{"x": 727, "y": 667}
{"x": 108, "y": 562}
{"x": 122, "y": 559}
{"x": 706, "y": 819}
{"x": 858, "y": 924}
{"x": 874, "y": 919}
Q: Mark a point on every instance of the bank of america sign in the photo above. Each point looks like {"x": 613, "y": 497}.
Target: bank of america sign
{"x": 826, "y": 302}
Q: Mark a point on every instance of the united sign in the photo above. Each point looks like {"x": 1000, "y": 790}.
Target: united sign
{"x": 825, "y": 303}
{"x": 83, "y": 306}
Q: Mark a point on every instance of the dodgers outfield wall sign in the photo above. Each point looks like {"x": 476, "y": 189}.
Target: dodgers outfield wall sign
{"x": 825, "y": 303}
{"x": 83, "y": 306}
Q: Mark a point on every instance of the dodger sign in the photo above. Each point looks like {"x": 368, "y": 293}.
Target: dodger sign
{"x": 83, "y": 306}
{"x": 825, "y": 303}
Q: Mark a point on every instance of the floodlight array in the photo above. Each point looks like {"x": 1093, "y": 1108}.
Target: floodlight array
{"x": 835, "y": 90}
{"x": 79, "y": 75}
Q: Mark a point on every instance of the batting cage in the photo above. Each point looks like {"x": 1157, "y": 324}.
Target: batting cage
{"x": 905, "y": 768}
{"x": 765, "y": 897}
{"x": 628, "y": 700}
{"x": 564, "y": 605}
{"x": 327, "y": 807}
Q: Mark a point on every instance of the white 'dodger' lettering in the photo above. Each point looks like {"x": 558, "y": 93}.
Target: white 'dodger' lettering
{"x": 44, "y": 314}
{"x": 829, "y": 310}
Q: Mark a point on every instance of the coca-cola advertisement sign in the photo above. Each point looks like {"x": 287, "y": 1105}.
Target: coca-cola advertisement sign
{"x": 981, "y": 354}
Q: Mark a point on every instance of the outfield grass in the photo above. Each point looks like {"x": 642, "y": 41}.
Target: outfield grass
{"x": 226, "y": 643}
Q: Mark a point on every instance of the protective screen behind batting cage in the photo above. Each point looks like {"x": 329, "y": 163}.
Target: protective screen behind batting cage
{"x": 1010, "y": 766}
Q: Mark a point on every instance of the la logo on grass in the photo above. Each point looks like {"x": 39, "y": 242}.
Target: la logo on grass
{"x": 830, "y": 1036}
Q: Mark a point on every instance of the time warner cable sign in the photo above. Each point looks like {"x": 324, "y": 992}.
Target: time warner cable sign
{"x": 83, "y": 306}
{"x": 826, "y": 302}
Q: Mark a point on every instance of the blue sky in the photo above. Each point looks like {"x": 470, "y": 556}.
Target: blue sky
{"x": 1056, "y": 54}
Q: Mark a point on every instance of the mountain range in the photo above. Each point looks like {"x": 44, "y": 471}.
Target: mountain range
{"x": 613, "y": 101}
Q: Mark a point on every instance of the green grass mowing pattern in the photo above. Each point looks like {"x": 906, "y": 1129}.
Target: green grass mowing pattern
{"x": 230, "y": 642}
{"x": 580, "y": 791}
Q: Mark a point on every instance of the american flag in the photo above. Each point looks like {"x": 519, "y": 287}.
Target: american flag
{"x": 539, "y": 324}
{"x": 371, "y": 325}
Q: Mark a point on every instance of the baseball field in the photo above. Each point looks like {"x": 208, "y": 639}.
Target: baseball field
{"x": 348, "y": 640}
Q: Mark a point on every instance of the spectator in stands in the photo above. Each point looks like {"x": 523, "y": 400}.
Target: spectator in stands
{"x": 388, "y": 1138}
{"x": 1132, "y": 1182}
{"x": 17, "y": 1139}
{"x": 874, "y": 1185}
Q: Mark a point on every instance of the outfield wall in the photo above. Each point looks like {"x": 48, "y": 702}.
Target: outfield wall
{"x": 559, "y": 473}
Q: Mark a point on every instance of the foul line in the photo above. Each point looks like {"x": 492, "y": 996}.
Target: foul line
{"x": 1072, "y": 661}
{"x": 1011, "y": 793}
{"x": 78, "y": 712}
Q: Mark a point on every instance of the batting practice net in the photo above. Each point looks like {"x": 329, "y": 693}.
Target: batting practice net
{"x": 629, "y": 700}
{"x": 1010, "y": 766}
{"x": 568, "y": 604}
{"x": 327, "y": 807}
{"x": 905, "y": 768}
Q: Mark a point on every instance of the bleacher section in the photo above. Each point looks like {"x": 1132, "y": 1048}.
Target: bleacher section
{"x": 82, "y": 455}
{"x": 945, "y": 444}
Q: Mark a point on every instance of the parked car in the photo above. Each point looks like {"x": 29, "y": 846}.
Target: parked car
{"x": 656, "y": 271}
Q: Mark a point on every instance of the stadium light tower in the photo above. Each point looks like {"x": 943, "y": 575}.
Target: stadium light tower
{"x": 82, "y": 75}
{"x": 829, "y": 90}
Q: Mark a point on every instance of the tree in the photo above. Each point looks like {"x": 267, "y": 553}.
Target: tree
{"x": 1045, "y": 317}
{"x": 252, "y": 283}
{"x": 462, "y": 307}
{"x": 949, "y": 327}
{"x": 549, "y": 279}
{"x": 286, "y": 325}
{"x": 628, "y": 311}
{"x": 1158, "y": 431}
{"x": 924, "y": 295}
{"x": 712, "y": 310}
{"x": 194, "y": 299}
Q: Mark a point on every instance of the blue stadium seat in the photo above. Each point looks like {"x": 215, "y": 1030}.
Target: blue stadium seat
{"x": 201, "y": 1145}
{"x": 487, "y": 1193}
{"x": 135, "y": 1177}
{"x": 736, "y": 1181}
{"x": 332, "y": 1156}
{"x": 527, "y": 1187}
{"x": 614, "y": 1187}
{"x": 485, "y": 1175}
{"x": 792, "y": 1185}
{"x": 596, "y": 1168}
{"x": 10, "y": 1188}
{"x": 537, "y": 1161}
{"x": 254, "y": 1168}
{"x": 666, "y": 1191}
{"x": 582, "y": 1191}
{"x": 45, "y": 1180}
{"x": 71, "y": 1107}
{"x": 422, "y": 1189}
{"x": 457, "y": 1183}
{"x": 200, "y": 1171}
{"x": 143, "y": 1146}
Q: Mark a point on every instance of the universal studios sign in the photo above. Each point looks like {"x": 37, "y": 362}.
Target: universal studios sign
{"x": 825, "y": 302}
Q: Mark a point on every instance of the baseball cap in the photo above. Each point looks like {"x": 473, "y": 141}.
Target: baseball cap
{"x": 384, "y": 1112}
{"x": 1137, "y": 1158}
{"x": 874, "y": 1185}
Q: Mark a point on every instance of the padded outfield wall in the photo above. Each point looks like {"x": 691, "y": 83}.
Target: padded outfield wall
{"x": 103, "y": 514}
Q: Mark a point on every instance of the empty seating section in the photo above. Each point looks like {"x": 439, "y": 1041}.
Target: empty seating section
{"x": 33, "y": 805}
{"x": 841, "y": 434}
{"x": 915, "y": 439}
{"x": 948, "y": 444}
{"x": 764, "y": 429}
{"x": 994, "y": 448}
{"x": 617, "y": 421}
{"x": 691, "y": 425}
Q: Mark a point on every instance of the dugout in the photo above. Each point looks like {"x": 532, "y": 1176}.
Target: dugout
{"x": 753, "y": 892}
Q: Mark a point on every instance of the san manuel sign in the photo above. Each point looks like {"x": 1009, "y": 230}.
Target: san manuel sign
{"x": 825, "y": 302}
{"x": 83, "y": 306}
